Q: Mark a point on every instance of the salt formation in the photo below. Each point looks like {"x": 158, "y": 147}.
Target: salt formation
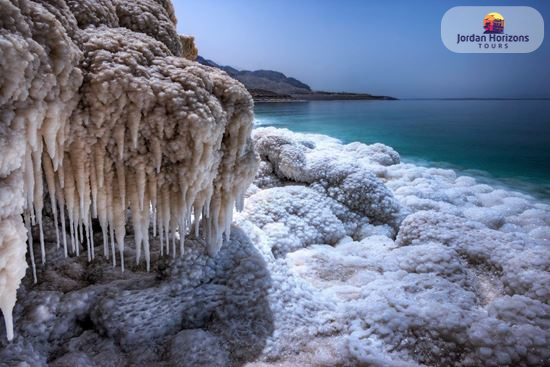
{"x": 338, "y": 176}
{"x": 101, "y": 112}
{"x": 434, "y": 269}
{"x": 342, "y": 255}
{"x": 459, "y": 277}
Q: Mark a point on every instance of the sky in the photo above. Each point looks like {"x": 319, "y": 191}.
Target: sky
{"x": 380, "y": 47}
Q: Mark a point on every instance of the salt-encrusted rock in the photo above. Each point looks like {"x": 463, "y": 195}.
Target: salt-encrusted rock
{"x": 225, "y": 293}
{"x": 296, "y": 217}
{"x": 100, "y": 111}
{"x": 196, "y": 347}
{"x": 107, "y": 319}
{"x": 344, "y": 175}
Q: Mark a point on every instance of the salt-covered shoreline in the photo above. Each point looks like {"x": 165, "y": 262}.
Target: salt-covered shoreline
{"x": 458, "y": 275}
{"x": 341, "y": 256}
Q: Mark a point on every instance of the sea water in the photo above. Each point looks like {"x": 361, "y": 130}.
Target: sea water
{"x": 502, "y": 141}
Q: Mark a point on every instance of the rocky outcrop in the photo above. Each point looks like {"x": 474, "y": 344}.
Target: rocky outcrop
{"x": 102, "y": 111}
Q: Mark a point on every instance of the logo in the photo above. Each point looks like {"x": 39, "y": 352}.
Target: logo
{"x": 493, "y": 23}
{"x": 461, "y": 31}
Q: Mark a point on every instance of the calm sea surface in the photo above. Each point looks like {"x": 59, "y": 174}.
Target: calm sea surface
{"x": 505, "y": 142}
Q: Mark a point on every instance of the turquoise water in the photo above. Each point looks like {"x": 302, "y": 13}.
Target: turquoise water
{"x": 506, "y": 141}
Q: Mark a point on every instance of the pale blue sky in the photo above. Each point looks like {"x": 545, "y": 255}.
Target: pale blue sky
{"x": 386, "y": 48}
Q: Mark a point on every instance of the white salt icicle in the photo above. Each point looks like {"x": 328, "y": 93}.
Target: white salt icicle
{"x": 78, "y": 237}
{"x": 136, "y": 214}
{"x": 166, "y": 216}
{"x": 240, "y": 202}
{"x": 197, "y": 225}
{"x": 119, "y": 219}
{"x": 105, "y": 241}
{"x": 63, "y": 229}
{"x": 121, "y": 180}
{"x": 208, "y": 235}
{"x": 173, "y": 227}
{"x": 80, "y": 231}
{"x": 119, "y": 138}
{"x": 49, "y": 129}
{"x": 134, "y": 118}
{"x": 61, "y": 201}
{"x": 94, "y": 189}
{"x": 207, "y": 206}
{"x": 228, "y": 218}
{"x": 159, "y": 210}
{"x": 99, "y": 163}
{"x": 147, "y": 254}
{"x": 72, "y": 234}
{"x": 69, "y": 195}
{"x": 182, "y": 231}
{"x": 110, "y": 213}
{"x": 32, "y": 124}
{"x": 27, "y": 221}
{"x": 187, "y": 215}
{"x": 112, "y": 238}
{"x": 167, "y": 239}
{"x": 41, "y": 234}
{"x": 88, "y": 246}
{"x": 174, "y": 209}
{"x": 90, "y": 230}
{"x": 50, "y": 180}
{"x": 141, "y": 181}
{"x": 102, "y": 216}
{"x": 13, "y": 237}
{"x": 39, "y": 197}
{"x": 78, "y": 159}
{"x": 157, "y": 153}
{"x": 87, "y": 233}
{"x": 61, "y": 176}
{"x": 29, "y": 184}
{"x": 161, "y": 241}
{"x": 8, "y": 321}
{"x": 154, "y": 211}
{"x": 57, "y": 160}
{"x": 145, "y": 235}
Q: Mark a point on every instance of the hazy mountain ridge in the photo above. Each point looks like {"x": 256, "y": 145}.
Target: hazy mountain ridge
{"x": 270, "y": 85}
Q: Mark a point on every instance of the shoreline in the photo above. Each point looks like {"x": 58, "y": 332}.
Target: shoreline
{"x": 282, "y": 100}
{"x": 535, "y": 190}
{"x": 511, "y": 184}
{"x": 264, "y": 96}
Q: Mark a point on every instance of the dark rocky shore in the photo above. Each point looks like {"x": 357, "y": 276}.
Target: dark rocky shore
{"x": 261, "y": 95}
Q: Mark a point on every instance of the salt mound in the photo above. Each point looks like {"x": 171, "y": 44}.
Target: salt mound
{"x": 462, "y": 281}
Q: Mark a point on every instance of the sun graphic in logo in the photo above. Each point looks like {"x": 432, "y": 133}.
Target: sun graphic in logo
{"x": 493, "y": 23}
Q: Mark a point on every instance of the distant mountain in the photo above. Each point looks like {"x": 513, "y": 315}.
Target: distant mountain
{"x": 266, "y": 80}
{"x": 269, "y": 85}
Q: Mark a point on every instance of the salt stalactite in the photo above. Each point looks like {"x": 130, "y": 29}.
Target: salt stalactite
{"x": 101, "y": 110}
{"x": 38, "y": 84}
